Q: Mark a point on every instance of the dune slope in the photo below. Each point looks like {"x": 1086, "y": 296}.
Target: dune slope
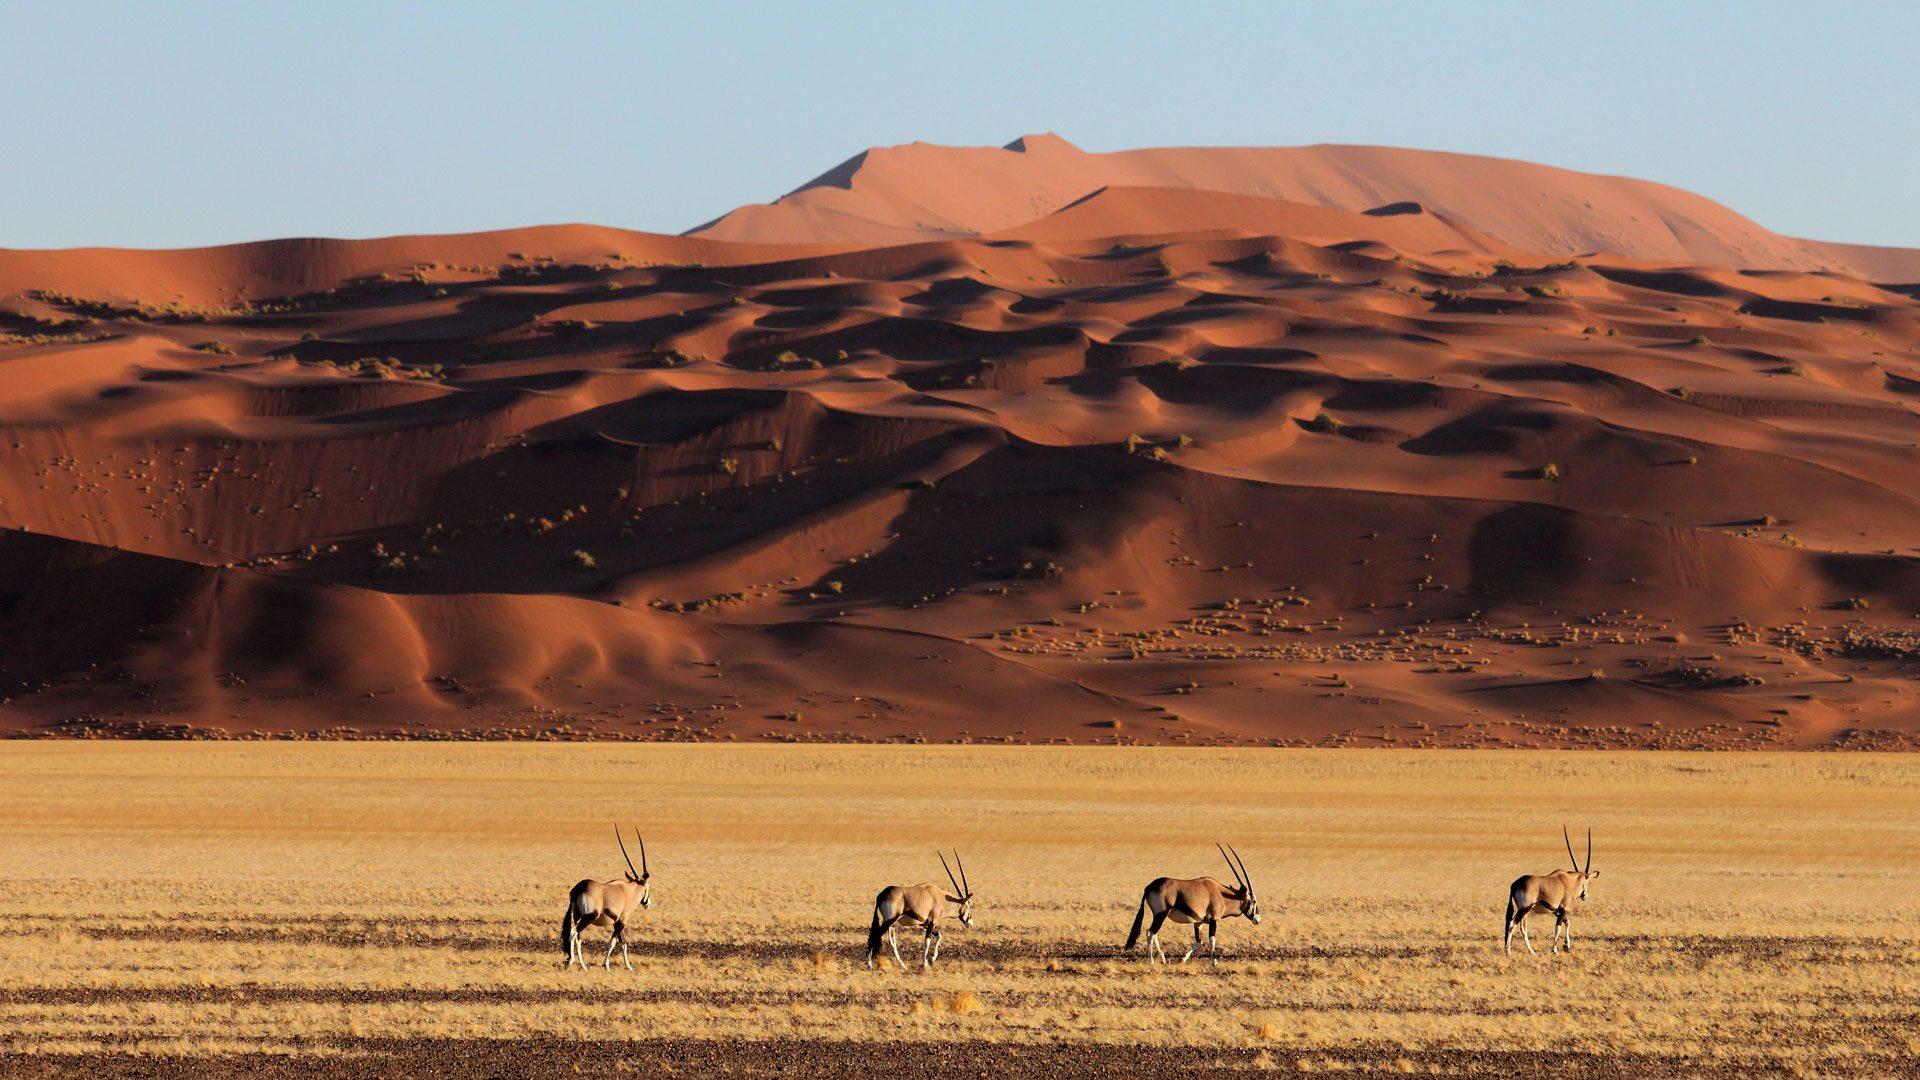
{"x": 921, "y": 191}
{"x": 1165, "y": 466}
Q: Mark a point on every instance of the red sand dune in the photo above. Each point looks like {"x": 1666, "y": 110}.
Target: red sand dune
{"x": 1163, "y": 465}
{"x": 920, "y": 191}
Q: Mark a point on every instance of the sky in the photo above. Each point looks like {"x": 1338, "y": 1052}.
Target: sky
{"x": 178, "y": 125}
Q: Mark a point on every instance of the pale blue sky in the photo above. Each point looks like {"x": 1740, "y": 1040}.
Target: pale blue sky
{"x": 151, "y": 125}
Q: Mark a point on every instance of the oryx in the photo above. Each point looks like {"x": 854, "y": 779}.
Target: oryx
{"x": 1200, "y": 901}
{"x": 920, "y": 905}
{"x": 606, "y": 903}
{"x": 1548, "y": 892}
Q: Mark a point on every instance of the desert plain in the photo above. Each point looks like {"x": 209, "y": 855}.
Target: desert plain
{"x": 359, "y": 910}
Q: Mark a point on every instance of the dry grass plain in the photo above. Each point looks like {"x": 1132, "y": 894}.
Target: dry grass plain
{"x": 382, "y": 909}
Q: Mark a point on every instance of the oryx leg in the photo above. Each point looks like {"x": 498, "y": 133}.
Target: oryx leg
{"x": 1153, "y": 937}
{"x": 1195, "y": 945}
{"x": 1524, "y": 936}
{"x": 1213, "y": 942}
{"x": 607, "y": 964}
{"x": 624, "y": 958}
{"x": 933, "y": 947}
{"x": 1560, "y": 924}
{"x": 893, "y": 941}
{"x": 580, "y": 925}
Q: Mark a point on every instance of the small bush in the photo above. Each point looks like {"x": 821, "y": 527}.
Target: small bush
{"x": 581, "y": 560}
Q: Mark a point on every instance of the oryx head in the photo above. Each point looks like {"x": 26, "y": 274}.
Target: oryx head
{"x": 1588, "y": 873}
{"x": 637, "y": 877}
{"x": 960, "y": 888}
{"x": 1249, "y": 906}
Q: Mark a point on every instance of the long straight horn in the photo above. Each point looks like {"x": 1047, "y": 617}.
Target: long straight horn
{"x": 1245, "y": 874}
{"x": 1569, "y": 840}
{"x": 1589, "y": 866}
{"x": 949, "y": 870}
{"x": 643, "y": 853}
{"x": 623, "y": 851}
{"x": 1238, "y": 880}
{"x": 966, "y": 887}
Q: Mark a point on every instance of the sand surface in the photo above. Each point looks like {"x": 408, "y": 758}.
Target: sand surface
{"x": 1144, "y": 464}
{"x": 919, "y": 191}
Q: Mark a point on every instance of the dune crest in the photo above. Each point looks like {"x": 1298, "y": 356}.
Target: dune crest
{"x": 921, "y": 191}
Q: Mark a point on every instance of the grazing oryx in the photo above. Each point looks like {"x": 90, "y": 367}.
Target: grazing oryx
{"x": 1548, "y": 892}
{"x": 1200, "y": 901}
{"x": 920, "y": 905}
{"x": 606, "y": 903}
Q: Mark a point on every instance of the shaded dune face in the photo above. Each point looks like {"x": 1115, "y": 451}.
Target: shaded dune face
{"x": 1085, "y": 482}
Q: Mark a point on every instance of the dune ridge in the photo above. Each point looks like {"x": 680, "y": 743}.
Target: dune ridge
{"x": 896, "y": 194}
{"x": 1164, "y": 465}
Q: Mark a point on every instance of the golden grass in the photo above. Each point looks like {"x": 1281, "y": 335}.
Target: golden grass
{"x": 204, "y": 899}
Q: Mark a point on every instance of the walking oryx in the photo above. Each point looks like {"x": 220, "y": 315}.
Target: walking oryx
{"x": 920, "y": 905}
{"x": 1548, "y": 892}
{"x": 606, "y": 903}
{"x": 1200, "y": 901}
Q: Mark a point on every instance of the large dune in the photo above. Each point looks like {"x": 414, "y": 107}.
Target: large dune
{"x": 1161, "y": 465}
{"x": 920, "y": 191}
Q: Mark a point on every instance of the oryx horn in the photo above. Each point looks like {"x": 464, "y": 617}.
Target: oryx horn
{"x": 1246, "y": 876}
{"x": 623, "y": 850}
{"x": 1587, "y": 869}
{"x": 1569, "y": 840}
{"x": 943, "y": 865}
{"x": 643, "y": 853}
{"x": 1237, "y": 876}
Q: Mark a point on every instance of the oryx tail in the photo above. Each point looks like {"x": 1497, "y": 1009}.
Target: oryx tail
{"x": 1139, "y": 921}
{"x": 876, "y": 933}
{"x": 569, "y": 933}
